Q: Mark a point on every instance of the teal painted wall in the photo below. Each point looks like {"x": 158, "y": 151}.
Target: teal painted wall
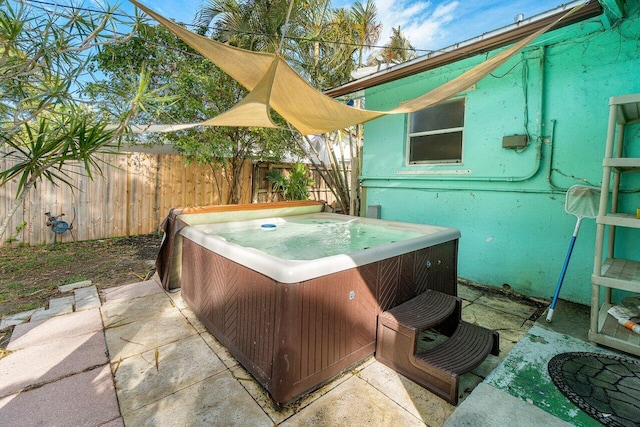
{"x": 509, "y": 204}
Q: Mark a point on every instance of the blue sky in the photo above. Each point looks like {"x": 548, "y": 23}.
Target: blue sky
{"x": 435, "y": 24}
{"x": 429, "y": 24}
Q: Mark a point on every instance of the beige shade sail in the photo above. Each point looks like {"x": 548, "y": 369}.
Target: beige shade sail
{"x": 253, "y": 109}
{"x": 274, "y": 84}
{"x": 307, "y": 109}
{"x": 475, "y": 74}
{"x": 246, "y": 67}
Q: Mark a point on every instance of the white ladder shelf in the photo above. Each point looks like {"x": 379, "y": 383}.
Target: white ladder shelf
{"x": 609, "y": 271}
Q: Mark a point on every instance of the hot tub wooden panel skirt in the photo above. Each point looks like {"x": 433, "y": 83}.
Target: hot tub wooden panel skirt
{"x": 294, "y": 337}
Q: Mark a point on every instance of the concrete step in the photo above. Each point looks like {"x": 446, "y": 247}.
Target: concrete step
{"x": 85, "y": 296}
{"x": 73, "y": 286}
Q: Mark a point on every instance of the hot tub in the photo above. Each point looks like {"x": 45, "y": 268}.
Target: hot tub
{"x": 296, "y": 320}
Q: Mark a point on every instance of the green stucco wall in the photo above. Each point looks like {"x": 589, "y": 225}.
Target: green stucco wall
{"x": 509, "y": 205}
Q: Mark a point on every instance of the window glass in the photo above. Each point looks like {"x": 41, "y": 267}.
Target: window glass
{"x": 436, "y": 134}
{"x": 445, "y": 147}
{"x": 443, "y": 116}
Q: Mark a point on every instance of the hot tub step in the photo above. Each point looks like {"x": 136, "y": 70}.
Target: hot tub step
{"x": 399, "y": 327}
{"x": 464, "y": 351}
{"x": 436, "y": 369}
{"x": 431, "y": 309}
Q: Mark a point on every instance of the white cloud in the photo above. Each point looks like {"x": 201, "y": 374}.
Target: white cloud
{"x": 422, "y": 21}
{"x": 435, "y": 24}
{"x": 428, "y": 24}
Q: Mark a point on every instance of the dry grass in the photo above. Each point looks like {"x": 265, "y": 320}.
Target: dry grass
{"x": 30, "y": 275}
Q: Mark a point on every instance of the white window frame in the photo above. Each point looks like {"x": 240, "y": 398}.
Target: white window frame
{"x": 441, "y": 131}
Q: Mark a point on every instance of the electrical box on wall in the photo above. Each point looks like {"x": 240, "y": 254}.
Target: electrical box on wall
{"x": 514, "y": 141}
{"x": 373, "y": 211}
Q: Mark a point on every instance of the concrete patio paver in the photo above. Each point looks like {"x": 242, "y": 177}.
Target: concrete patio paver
{"x": 354, "y": 401}
{"x": 123, "y": 311}
{"x": 196, "y": 381}
{"x": 510, "y": 327}
{"x": 176, "y": 297}
{"x": 73, "y": 286}
{"x": 508, "y": 305}
{"x": 133, "y": 290}
{"x": 86, "y": 298}
{"x": 221, "y": 351}
{"x": 56, "y": 328}
{"x": 15, "y": 319}
{"x": 489, "y": 364}
{"x": 140, "y": 381}
{"x": 62, "y": 303}
{"x": 118, "y": 422}
{"x": 218, "y": 400}
{"x": 469, "y": 293}
{"x": 194, "y": 321}
{"x": 138, "y": 336}
{"x": 415, "y": 399}
{"x": 488, "y": 406}
{"x": 524, "y": 373}
{"x": 280, "y": 414}
{"x": 84, "y": 399}
{"x": 41, "y": 364}
{"x": 57, "y": 309}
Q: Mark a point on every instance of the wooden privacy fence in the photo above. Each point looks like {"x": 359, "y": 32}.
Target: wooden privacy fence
{"x": 133, "y": 195}
{"x": 262, "y": 191}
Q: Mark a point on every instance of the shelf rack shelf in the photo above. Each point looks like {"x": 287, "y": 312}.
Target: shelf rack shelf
{"x": 610, "y": 272}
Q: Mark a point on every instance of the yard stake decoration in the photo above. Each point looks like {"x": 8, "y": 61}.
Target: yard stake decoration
{"x": 58, "y": 226}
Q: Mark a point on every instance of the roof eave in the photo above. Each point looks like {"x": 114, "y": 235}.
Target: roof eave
{"x": 484, "y": 43}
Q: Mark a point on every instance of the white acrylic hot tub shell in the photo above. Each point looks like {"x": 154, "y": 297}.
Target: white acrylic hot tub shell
{"x": 287, "y": 271}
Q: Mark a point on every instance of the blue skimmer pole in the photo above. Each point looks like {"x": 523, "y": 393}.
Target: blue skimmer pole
{"x": 581, "y": 201}
{"x": 564, "y": 269}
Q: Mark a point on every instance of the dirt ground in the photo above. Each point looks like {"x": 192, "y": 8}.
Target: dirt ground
{"x": 30, "y": 276}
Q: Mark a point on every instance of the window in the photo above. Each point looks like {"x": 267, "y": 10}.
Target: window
{"x": 435, "y": 134}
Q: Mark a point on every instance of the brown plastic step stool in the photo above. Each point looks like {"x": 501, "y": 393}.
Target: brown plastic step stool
{"x": 439, "y": 368}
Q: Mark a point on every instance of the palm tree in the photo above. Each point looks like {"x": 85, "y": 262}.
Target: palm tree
{"x": 366, "y": 27}
{"x": 254, "y": 25}
{"x": 324, "y": 45}
{"x": 399, "y": 48}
